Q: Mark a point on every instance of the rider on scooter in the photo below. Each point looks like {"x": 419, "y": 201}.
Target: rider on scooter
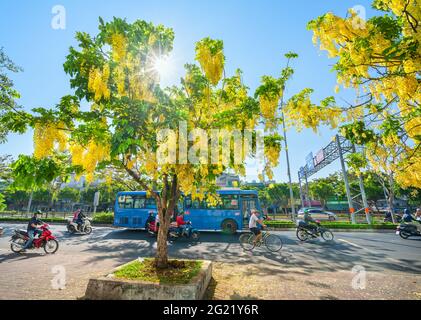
{"x": 33, "y": 229}
{"x": 311, "y": 224}
{"x": 409, "y": 219}
{"x": 79, "y": 219}
{"x": 181, "y": 223}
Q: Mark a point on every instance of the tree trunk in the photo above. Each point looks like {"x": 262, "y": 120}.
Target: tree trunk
{"x": 162, "y": 250}
{"x": 166, "y": 206}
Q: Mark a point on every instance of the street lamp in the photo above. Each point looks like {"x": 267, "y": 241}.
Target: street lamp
{"x": 291, "y": 192}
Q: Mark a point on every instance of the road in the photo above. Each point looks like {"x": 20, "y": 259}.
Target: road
{"x": 326, "y": 268}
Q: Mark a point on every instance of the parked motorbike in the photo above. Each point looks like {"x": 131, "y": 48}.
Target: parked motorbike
{"x": 407, "y": 230}
{"x": 304, "y": 232}
{"x": 187, "y": 232}
{"x": 46, "y": 240}
{"x": 84, "y": 228}
{"x": 388, "y": 218}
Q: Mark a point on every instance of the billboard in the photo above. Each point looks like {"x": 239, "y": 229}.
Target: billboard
{"x": 320, "y": 156}
{"x": 310, "y": 161}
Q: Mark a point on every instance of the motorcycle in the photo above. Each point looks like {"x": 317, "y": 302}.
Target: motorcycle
{"x": 305, "y": 233}
{"x": 46, "y": 240}
{"x": 84, "y": 228}
{"x": 388, "y": 218}
{"x": 407, "y": 230}
{"x": 188, "y": 232}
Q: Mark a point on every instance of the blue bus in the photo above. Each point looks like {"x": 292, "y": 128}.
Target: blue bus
{"x": 132, "y": 209}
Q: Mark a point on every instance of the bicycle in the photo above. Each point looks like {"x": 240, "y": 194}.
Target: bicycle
{"x": 272, "y": 242}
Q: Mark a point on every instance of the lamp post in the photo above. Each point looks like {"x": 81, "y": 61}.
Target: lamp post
{"x": 291, "y": 192}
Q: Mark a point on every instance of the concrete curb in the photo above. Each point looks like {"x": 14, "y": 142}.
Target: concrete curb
{"x": 111, "y": 288}
{"x": 105, "y": 225}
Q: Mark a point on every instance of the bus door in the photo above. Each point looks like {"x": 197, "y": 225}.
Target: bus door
{"x": 247, "y": 204}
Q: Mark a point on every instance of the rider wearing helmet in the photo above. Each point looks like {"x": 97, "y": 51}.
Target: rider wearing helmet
{"x": 409, "y": 219}
{"x": 310, "y": 222}
{"x": 79, "y": 219}
{"x": 33, "y": 229}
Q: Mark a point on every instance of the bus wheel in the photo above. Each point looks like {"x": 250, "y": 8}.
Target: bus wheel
{"x": 229, "y": 226}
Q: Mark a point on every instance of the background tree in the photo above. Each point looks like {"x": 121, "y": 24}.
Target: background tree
{"x": 381, "y": 59}
{"x": 12, "y": 117}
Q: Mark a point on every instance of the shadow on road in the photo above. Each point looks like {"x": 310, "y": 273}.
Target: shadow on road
{"x": 313, "y": 256}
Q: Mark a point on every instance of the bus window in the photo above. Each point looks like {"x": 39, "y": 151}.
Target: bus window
{"x": 150, "y": 203}
{"x": 196, "y": 204}
{"x": 139, "y": 203}
{"x": 230, "y": 202}
{"x": 125, "y": 202}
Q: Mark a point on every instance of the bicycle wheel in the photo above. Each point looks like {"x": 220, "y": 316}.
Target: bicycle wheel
{"x": 246, "y": 241}
{"x": 327, "y": 235}
{"x": 273, "y": 243}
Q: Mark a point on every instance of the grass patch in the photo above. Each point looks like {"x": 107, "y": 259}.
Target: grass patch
{"x": 178, "y": 271}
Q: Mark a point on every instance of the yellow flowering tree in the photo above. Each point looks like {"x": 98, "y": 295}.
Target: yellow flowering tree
{"x": 381, "y": 59}
{"x": 134, "y": 127}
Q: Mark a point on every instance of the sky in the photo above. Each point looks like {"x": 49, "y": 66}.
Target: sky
{"x": 256, "y": 35}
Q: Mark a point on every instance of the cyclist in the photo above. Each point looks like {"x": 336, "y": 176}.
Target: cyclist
{"x": 253, "y": 225}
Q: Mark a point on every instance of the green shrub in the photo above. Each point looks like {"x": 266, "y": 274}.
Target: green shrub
{"x": 23, "y": 219}
{"x": 106, "y": 218}
{"x": 335, "y": 225}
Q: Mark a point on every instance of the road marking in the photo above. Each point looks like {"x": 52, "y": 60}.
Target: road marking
{"x": 351, "y": 244}
{"x": 368, "y": 250}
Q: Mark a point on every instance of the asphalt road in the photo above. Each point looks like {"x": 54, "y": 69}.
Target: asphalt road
{"x": 97, "y": 254}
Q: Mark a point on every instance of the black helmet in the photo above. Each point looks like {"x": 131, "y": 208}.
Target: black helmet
{"x": 38, "y": 212}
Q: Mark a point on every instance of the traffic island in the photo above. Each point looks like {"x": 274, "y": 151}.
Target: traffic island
{"x": 141, "y": 280}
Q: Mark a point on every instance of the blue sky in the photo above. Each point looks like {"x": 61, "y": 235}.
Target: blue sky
{"x": 256, "y": 34}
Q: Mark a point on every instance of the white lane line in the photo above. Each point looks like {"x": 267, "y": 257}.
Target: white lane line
{"x": 351, "y": 244}
{"x": 368, "y": 250}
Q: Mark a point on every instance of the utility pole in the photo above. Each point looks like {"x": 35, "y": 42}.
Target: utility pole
{"x": 347, "y": 188}
{"x": 301, "y": 190}
{"x": 363, "y": 194}
{"x": 28, "y": 209}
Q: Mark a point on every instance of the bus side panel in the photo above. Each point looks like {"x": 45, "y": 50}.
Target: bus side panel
{"x": 203, "y": 219}
{"x": 131, "y": 218}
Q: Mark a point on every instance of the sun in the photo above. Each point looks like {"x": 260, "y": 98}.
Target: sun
{"x": 163, "y": 66}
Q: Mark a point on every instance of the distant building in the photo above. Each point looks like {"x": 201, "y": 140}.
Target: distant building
{"x": 255, "y": 184}
{"x": 79, "y": 184}
{"x": 228, "y": 180}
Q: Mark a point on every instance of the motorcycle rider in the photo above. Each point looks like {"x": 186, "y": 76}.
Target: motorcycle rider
{"x": 181, "y": 223}
{"x": 157, "y": 221}
{"x": 79, "y": 220}
{"x": 151, "y": 218}
{"x": 418, "y": 214}
{"x": 33, "y": 229}
{"x": 409, "y": 219}
{"x": 311, "y": 224}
